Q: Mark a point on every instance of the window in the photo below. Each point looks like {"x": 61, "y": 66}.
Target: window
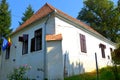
{"x": 36, "y": 42}
{"x": 32, "y": 44}
{"x": 7, "y": 56}
{"x": 111, "y": 50}
{"x": 83, "y": 43}
{"x": 38, "y": 39}
{"x": 102, "y": 46}
{"x": 108, "y": 57}
{"x": 25, "y": 44}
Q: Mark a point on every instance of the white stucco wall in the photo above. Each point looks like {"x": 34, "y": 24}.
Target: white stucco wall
{"x": 0, "y": 59}
{"x": 34, "y": 59}
{"x": 0, "y": 62}
{"x": 55, "y": 60}
{"x": 79, "y": 62}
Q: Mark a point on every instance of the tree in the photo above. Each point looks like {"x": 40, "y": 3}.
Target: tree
{"x": 116, "y": 61}
{"x": 118, "y": 4}
{"x": 5, "y": 20}
{"x": 116, "y": 55}
{"x": 28, "y": 13}
{"x": 102, "y": 16}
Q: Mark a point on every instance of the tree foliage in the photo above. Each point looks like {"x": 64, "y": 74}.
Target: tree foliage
{"x": 28, "y": 13}
{"x": 116, "y": 55}
{"x": 116, "y": 61}
{"x": 5, "y": 20}
{"x": 103, "y": 16}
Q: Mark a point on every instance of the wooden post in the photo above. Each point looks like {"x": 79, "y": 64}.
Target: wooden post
{"x": 97, "y": 73}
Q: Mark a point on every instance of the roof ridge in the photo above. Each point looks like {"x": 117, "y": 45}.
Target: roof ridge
{"x": 50, "y": 6}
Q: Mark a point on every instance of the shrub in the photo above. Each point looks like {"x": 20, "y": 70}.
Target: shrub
{"x": 19, "y": 73}
{"x": 106, "y": 73}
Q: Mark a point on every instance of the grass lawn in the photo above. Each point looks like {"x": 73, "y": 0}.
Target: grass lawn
{"x": 85, "y": 76}
{"x": 106, "y": 73}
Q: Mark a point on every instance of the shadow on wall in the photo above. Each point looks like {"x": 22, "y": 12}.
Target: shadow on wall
{"x": 60, "y": 63}
{"x": 72, "y": 67}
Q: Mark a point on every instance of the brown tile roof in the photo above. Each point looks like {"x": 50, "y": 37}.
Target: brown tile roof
{"x": 53, "y": 37}
{"x": 44, "y": 11}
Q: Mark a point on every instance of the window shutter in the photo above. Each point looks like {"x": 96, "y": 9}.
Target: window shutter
{"x": 7, "y": 53}
{"x": 83, "y": 43}
{"x": 111, "y": 50}
{"x": 103, "y": 52}
{"x": 32, "y": 44}
{"x": 25, "y": 44}
{"x": 102, "y": 46}
{"x": 20, "y": 39}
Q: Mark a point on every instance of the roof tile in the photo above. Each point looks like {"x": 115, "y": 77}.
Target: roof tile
{"x": 53, "y": 37}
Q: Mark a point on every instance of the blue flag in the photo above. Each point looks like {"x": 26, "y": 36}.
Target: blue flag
{"x": 4, "y": 44}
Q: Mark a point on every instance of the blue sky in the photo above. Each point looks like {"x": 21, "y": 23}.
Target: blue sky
{"x": 18, "y": 7}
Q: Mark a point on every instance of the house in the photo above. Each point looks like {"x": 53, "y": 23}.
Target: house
{"x": 55, "y": 45}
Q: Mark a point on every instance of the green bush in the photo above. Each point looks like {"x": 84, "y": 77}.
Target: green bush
{"x": 19, "y": 73}
{"x": 106, "y": 74}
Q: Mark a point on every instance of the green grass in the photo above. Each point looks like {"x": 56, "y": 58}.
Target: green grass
{"x": 104, "y": 74}
{"x": 85, "y": 76}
